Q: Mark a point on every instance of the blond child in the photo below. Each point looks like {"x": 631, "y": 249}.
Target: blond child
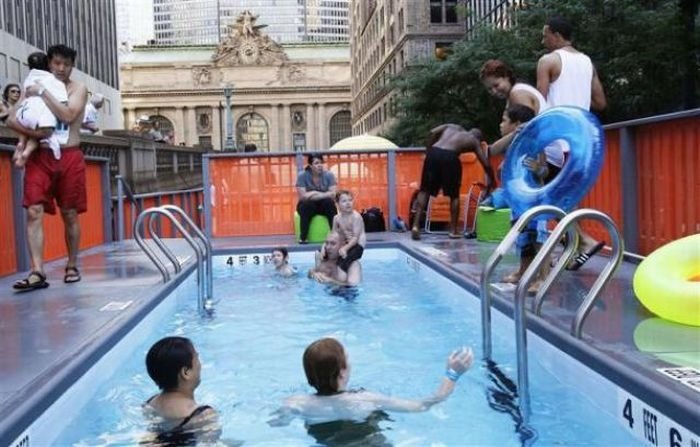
{"x": 351, "y": 228}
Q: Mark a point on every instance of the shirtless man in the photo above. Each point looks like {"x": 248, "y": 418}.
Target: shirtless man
{"x": 327, "y": 271}
{"x": 442, "y": 169}
{"x": 567, "y": 77}
{"x": 46, "y": 178}
{"x": 351, "y": 228}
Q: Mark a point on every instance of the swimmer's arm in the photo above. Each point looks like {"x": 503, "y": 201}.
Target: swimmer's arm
{"x": 66, "y": 113}
{"x": 502, "y": 144}
{"x": 490, "y": 176}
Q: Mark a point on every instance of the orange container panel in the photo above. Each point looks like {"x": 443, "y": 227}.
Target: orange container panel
{"x": 8, "y": 262}
{"x": 91, "y": 222}
{"x": 252, "y": 196}
{"x": 606, "y": 193}
{"x": 363, "y": 174}
{"x": 668, "y": 161}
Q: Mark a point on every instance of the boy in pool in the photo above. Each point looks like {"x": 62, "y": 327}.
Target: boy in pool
{"x": 326, "y": 270}
{"x": 280, "y": 259}
{"x": 351, "y": 228}
{"x": 176, "y": 418}
{"x": 328, "y": 370}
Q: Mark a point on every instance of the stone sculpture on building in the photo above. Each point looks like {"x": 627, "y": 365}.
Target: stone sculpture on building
{"x": 245, "y": 44}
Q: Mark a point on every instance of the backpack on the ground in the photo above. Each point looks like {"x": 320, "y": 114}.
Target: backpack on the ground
{"x": 374, "y": 220}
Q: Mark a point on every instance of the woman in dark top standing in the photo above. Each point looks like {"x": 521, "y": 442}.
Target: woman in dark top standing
{"x": 316, "y": 192}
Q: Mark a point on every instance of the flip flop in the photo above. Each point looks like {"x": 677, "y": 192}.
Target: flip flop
{"x": 72, "y": 275}
{"x": 25, "y": 285}
{"x": 582, "y": 258}
{"x": 454, "y": 236}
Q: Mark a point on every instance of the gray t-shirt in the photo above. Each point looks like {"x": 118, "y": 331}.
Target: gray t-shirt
{"x": 305, "y": 180}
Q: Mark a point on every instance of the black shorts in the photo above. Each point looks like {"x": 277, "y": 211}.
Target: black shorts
{"x": 354, "y": 254}
{"x": 442, "y": 169}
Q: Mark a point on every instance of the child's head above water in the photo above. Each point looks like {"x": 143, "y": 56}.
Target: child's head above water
{"x": 38, "y": 61}
{"x": 280, "y": 256}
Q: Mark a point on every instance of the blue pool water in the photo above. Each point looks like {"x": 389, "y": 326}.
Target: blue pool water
{"x": 398, "y": 331}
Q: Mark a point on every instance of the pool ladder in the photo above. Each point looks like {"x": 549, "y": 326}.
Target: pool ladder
{"x": 202, "y": 250}
{"x": 566, "y": 225}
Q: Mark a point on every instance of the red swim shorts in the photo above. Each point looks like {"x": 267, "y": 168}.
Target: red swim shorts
{"x": 47, "y": 179}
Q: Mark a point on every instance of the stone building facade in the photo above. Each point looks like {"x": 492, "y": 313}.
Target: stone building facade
{"x": 386, "y": 36}
{"x": 290, "y": 97}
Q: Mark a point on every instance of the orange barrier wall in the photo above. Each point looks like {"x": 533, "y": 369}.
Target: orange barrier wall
{"x": 189, "y": 201}
{"x": 8, "y": 260}
{"x": 668, "y": 181}
{"x": 252, "y": 195}
{"x": 606, "y": 194}
{"x": 91, "y": 222}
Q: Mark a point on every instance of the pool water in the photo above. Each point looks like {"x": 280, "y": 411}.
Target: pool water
{"x": 397, "y": 330}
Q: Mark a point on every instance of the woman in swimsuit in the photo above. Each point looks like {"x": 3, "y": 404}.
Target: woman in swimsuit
{"x": 175, "y": 417}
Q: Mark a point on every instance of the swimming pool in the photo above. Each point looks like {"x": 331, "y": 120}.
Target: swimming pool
{"x": 397, "y": 330}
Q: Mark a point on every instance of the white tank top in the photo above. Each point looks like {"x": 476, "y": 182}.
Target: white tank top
{"x": 573, "y": 86}
{"x": 521, "y": 86}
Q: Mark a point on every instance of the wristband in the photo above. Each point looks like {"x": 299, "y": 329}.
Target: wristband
{"x": 41, "y": 91}
{"x": 452, "y": 374}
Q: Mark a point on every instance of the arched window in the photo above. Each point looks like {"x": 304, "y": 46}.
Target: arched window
{"x": 251, "y": 129}
{"x": 162, "y": 129}
{"x": 340, "y": 126}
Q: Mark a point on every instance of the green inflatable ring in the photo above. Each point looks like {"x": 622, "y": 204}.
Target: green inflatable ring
{"x": 673, "y": 343}
{"x": 318, "y": 229}
{"x": 667, "y": 282}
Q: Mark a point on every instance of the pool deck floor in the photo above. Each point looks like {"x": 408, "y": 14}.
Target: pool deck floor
{"x": 44, "y": 332}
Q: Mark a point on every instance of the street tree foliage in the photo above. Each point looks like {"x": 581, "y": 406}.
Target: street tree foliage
{"x": 645, "y": 52}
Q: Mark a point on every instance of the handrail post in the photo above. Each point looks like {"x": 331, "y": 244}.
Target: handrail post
{"x": 120, "y": 209}
{"x": 493, "y": 261}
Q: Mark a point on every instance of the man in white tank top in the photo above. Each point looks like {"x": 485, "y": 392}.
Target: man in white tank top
{"x": 567, "y": 77}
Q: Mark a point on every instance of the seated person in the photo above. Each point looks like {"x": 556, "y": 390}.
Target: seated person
{"x": 351, "y": 228}
{"x": 326, "y": 270}
{"x": 280, "y": 259}
{"x": 316, "y": 193}
{"x": 175, "y": 417}
{"x": 442, "y": 169}
{"x": 328, "y": 370}
{"x": 33, "y": 113}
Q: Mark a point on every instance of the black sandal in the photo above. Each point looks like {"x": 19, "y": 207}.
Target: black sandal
{"x": 72, "y": 275}
{"x": 25, "y": 285}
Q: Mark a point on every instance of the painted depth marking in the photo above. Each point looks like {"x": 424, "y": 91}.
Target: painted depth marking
{"x": 114, "y": 306}
{"x": 650, "y": 425}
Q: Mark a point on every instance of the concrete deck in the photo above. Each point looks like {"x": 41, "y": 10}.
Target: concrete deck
{"x": 45, "y": 332}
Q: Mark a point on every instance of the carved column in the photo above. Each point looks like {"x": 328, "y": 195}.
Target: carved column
{"x": 274, "y": 128}
{"x": 287, "y": 128}
{"x": 218, "y": 126}
{"x": 180, "y": 127}
{"x": 129, "y": 118}
{"x": 311, "y": 137}
{"x": 322, "y": 123}
{"x": 191, "y": 123}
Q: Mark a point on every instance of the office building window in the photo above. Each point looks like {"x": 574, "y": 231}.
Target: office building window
{"x": 451, "y": 11}
{"x": 435, "y": 11}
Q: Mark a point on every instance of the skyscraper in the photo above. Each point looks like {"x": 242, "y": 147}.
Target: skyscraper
{"x": 88, "y": 26}
{"x": 134, "y": 22}
{"x": 187, "y": 22}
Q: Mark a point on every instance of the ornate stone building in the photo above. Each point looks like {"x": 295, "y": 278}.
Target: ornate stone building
{"x": 290, "y": 97}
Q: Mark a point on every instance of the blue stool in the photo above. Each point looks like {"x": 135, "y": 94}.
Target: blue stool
{"x": 318, "y": 229}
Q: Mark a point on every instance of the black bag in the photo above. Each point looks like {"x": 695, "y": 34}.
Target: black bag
{"x": 374, "y": 220}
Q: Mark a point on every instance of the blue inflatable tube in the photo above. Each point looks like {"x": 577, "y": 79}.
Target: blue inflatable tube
{"x": 586, "y": 140}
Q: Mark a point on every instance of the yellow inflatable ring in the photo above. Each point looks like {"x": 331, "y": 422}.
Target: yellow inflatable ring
{"x": 667, "y": 282}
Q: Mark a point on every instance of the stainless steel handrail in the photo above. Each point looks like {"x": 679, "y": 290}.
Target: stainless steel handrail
{"x": 204, "y": 301}
{"x": 565, "y": 225}
{"x": 159, "y": 242}
{"x": 209, "y": 276}
{"x": 493, "y": 261}
{"x": 123, "y": 187}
